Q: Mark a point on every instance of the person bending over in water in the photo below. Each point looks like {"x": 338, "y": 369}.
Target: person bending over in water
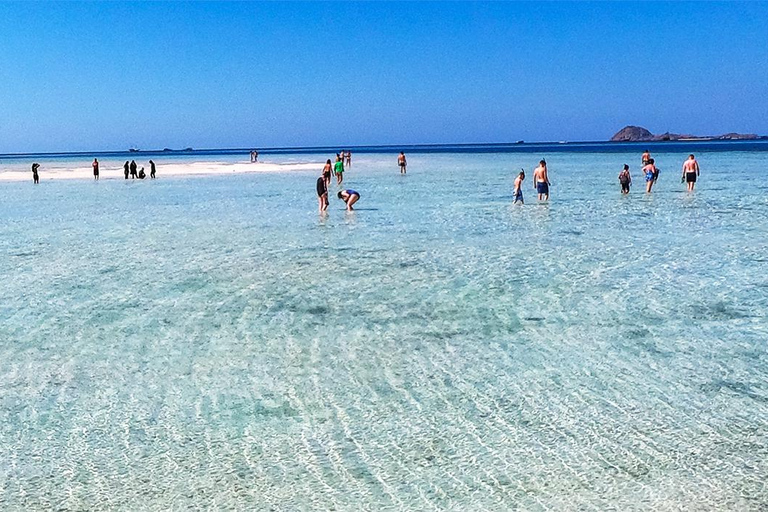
{"x": 338, "y": 168}
{"x": 152, "y": 169}
{"x": 625, "y": 179}
{"x": 327, "y": 170}
{"x": 126, "y": 166}
{"x": 402, "y": 163}
{"x": 322, "y": 193}
{"x": 349, "y": 196}
{"x": 519, "y": 187}
{"x": 651, "y": 173}
{"x": 541, "y": 181}
{"x": 690, "y": 172}
{"x": 35, "y": 176}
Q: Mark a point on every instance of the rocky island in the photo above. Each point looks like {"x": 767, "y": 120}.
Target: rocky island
{"x": 640, "y": 134}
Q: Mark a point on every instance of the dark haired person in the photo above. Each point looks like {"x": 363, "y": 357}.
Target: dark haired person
{"x": 35, "y": 176}
{"x": 126, "y": 168}
{"x": 142, "y": 174}
{"x": 519, "y": 188}
{"x": 349, "y": 196}
{"x": 402, "y": 163}
{"x": 322, "y": 193}
{"x": 690, "y": 172}
{"x": 625, "y": 179}
{"x": 651, "y": 174}
{"x": 133, "y": 169}
{"x": 541, "y": 181}
{"x": 646, "y": 157}
{"x": 327, "y": 169}
{"x": 338, "y": 169}
{"x": 152, "y": 169}
{"x": 95, "y": 166}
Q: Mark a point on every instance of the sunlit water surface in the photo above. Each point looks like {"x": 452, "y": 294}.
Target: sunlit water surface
{"x": 214, "y": 343}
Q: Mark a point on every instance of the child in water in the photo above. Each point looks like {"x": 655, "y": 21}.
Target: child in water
{"x": 519, "y": 187}
{"x": 625, "y": 179}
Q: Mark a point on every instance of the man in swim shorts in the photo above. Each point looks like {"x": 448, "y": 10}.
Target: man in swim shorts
{"x": 519, "y": 188}
{"x": 625, "y": 179}
{"x": 402, "y": 163}
{"x": 541, "y": 181}
{"x": 95, "y": 166}
{"x": 35, "y": 176}
{"x": 338, "y": 169}
{"x": 651, "y": 173}
{"x": 690, "y": 172}
{"x": 646, "y": 157}
{"x": 349, "y": 196}
{"x": 322, "y": 194}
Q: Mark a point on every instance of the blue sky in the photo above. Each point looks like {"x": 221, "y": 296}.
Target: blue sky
{"x": 108, "y": 75}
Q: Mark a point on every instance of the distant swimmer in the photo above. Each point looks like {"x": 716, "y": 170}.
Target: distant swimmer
{"x": 35, "y": 176}
{"x": 322, "y": 193}
{"x": 126, "y": 167}
{"x": 519, "y": 188}
{"x": 402, "y": 163}
{"x": 625, "y": 179}
{"x": 541, "y": 181}
{"x": 327, "y": 170}
{"x": 651, "y": 175}
{"x": 142, "y": 174}
{"x": 646, "y": 157}
{"x": 133, "y": 169}
{"x": 691, "y": 172}
{"x": 349, "y": 158}
{"x": 338, "y": 169}
{"x": 152, "y": 169}
{"x": 349, "y": 196}
{"x": 95, "y": 166}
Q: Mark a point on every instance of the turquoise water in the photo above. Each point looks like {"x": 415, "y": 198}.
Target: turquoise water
{"x": 214, "y": 343}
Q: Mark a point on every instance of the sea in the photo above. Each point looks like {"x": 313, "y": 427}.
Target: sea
{"x": 214, "y": 343}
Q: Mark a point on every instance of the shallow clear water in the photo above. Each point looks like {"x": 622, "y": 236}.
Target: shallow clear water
{"x": 214, "y": 343}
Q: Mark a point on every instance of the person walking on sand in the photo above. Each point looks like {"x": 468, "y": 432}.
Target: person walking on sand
{"x": 338, "y": 169}
{"x": 152, "y": 169}
{"x": 651, "y": 174}
{"x": 35, "y": 176}
{"x": 322, "y": 193}
{"x": 327, "y": 170}
{"x": 541, "y": 181}
{"x": 402, "y": 163}
{"x": 625, "y": 179}
{"x": 519, "y": 187}
{"x": 95, "y": 166}
{"x": 126, "y": 168}
{"x": 349, "y": 196}
{"x": 646, "y": 157}
{"x": 691, "y": 172}
{"x": 133, "y": 169}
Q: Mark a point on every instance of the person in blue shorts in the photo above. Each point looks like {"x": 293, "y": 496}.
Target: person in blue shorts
{"x": 541, "y": 181}
{"x": 349, "y": 196}
{"x": 519, "y": 188}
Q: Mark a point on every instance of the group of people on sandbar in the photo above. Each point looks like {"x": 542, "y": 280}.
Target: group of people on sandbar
{"x": 129, "y": 169}
{"x": 691, "y": 173}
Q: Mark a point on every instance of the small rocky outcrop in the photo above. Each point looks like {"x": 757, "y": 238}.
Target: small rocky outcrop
{"x": 632, "y": 134}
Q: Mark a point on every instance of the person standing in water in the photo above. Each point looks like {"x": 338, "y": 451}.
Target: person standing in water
{"x": 402, "y": 163}
{"x": 35, "y": 176}
{"x": 349, "y": 159}
{"x": 126, "y": 168}
{"x": 651, "y": 174}
{"x": 541, "y": 181}
{"x": 646, "y": 157}
{"x": 338, "y": 169}
{"x": 691, "y": 172}
{"x": 349, "y": 196}
{"x": 152, "y": 169}
{"x": 95, "y": 166}
{"x": 519, "y": 187}
{"x": 133, "y": 169}
{"x": 625, "y": 179}
{"x": 327, "y": 170}
{"x": 322, "y": 193}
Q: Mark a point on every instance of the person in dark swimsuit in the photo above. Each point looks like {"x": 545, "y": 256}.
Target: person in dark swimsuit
{"x": 95, "y": 166}
{"x": 142, "y": 174}
{"x": 152, "y": 169}
{"x": 35, "y": 176}
{"x": 126, "y": 169}
{"x": 625, "y": 179}
{"x": 327, "y": 172}
{"x": 133, "y": 169}
{"x": 322, "y": 193}
{"x": 349, "y": 196}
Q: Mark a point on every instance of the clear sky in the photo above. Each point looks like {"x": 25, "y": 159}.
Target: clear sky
{"x": 106, "y": 75}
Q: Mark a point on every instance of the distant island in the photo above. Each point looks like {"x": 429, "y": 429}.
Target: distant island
{"x": 639, "y": 134}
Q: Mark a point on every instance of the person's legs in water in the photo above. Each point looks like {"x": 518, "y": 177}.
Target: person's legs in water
{"x": 352, "y": 200}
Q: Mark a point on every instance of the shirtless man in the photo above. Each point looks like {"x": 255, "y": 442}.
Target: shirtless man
{"x": 646, "y": 157}
{"x": 95, "y": 166}
{"x": 690, "y": 172}
{"x": 402, "y": 163}
{"x": 519, "y": 187}
{"x": 541, "y": 181}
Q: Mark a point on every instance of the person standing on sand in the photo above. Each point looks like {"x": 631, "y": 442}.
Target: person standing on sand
{"x": 651, "y": 174}
{"x": 691, "y": 172}
{"x": 541, "y": 181}
{"x": 646, "y": 157}
{"x": 95, "y": 166}
{"x": 35, "y": 176}
{"x": 322, "y": 193}
{"x": 327, "y": 170}
{"x": 625, "y": 179}
{"x": 348, "y": 196}
{"x": 402, "y": 163}
{"x": 519, "y": 187}
{"x": 126, "y": 167}
{"x": 133, "y": 169}
{"x": 152, "y": 169}
{"x": 338, "y": 169}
